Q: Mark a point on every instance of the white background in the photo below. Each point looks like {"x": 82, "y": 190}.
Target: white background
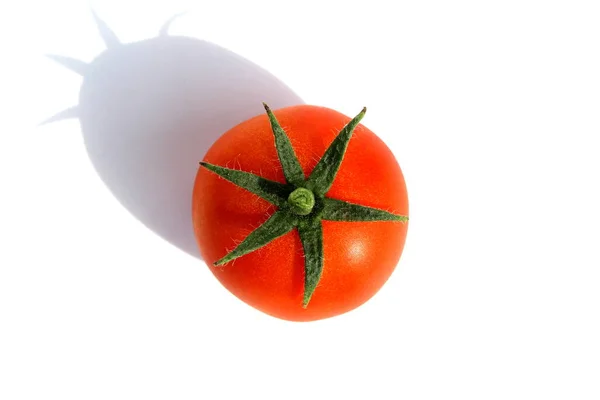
{"x": 493, "y": 111}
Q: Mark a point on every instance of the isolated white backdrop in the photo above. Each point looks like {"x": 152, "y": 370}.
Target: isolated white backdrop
{"x": 493, "y": 111}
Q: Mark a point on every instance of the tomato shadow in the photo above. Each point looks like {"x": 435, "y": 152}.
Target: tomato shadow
{"x": 150, "y": 110}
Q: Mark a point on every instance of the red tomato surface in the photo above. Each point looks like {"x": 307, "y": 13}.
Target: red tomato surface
{"x": 359, "y": 256}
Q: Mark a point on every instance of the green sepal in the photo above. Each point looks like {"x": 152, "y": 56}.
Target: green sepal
{"x": 338, "y": 210}
{"x": 287, "y": 157}
{"x": 277, "y": 225}
{"x": 274, "y": 192}
{"x": 311, "y": 236}
{"x": 324, "y": 173}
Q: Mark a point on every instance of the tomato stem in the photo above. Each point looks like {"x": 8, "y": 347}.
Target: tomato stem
{"x": 302, "y": 201}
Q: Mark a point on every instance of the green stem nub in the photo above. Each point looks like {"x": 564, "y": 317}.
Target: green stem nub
{"x": 302, "y": 201}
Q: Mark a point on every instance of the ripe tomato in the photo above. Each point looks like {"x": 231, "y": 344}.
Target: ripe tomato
{"x": 358, "y": 256}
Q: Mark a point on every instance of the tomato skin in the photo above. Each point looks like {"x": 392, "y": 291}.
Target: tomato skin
{"x": 359, "y": 256}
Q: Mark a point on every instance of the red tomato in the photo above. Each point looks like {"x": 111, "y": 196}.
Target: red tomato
{"x": 359, "y": 257}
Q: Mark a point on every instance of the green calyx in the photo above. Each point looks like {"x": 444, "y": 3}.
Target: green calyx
{"x": 302, "y": 202}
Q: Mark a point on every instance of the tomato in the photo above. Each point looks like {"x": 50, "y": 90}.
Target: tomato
{"x": 350, "y": 257}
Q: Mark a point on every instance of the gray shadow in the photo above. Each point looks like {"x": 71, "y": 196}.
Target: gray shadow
{"x": 150, "y": 110}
